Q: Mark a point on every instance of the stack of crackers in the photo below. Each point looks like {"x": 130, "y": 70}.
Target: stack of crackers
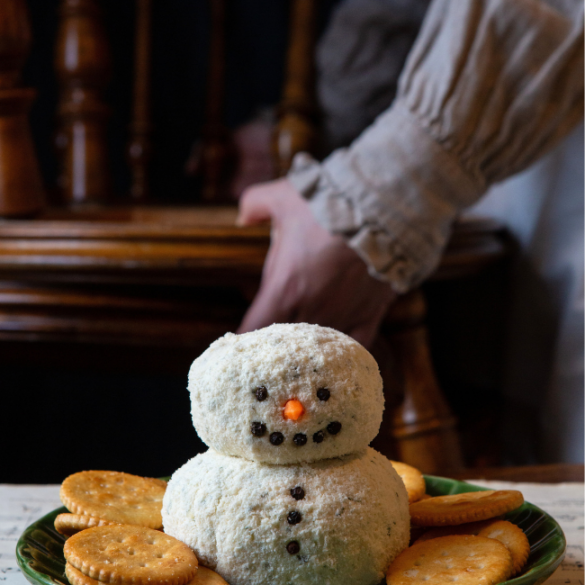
{"x": 459, "y": 538}
{"x": 114, "y": 532}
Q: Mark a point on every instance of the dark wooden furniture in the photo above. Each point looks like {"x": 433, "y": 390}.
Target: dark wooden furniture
{"x": 296, "y": 130}
{"x": 552, "y": 473}
{"x": 82, "y": 62}
{"x": 163, "y": 277}
{"x": 181, "y": 277}
{"x": 21, "y": 190}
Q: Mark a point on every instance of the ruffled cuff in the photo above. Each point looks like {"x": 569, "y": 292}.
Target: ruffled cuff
{"x": 392, "y": 195}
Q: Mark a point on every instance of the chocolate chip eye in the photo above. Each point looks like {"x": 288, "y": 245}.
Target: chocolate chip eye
{"x": 294, "y": 517}
{"x": 323, "y": 394}
{"x": 300, "y": 439}
{"x": 276, "y": 438}
{"x": 298, "y": 493}
{"x": 318, "y": 437}
{"x": 293, "y": 547}
{"x": 258, "y": 429}
{"x": 333, "y": 427}
{"x": 261, "y": 393}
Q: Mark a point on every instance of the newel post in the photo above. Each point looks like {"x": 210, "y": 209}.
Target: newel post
{"x": 21, "y": 189}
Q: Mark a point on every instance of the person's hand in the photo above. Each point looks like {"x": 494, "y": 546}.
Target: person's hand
{"x": 309, "y": 275}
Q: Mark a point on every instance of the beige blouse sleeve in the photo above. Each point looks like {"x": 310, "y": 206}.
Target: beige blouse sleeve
{"x": 489, "y": 87}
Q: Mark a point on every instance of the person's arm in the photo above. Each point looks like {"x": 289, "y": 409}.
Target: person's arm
{"x": 359, "y": 59}
{"x": 310, "y": 275}
{"x": 489, "y": 87}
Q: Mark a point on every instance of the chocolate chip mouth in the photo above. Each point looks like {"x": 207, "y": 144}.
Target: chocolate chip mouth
{"x": 276, "y": 438}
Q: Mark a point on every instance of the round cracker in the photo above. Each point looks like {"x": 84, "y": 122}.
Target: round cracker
{"x": 69, "y": 524}
{"x": 466, "y": 560}
{"x": 512, "y": 537}
{"x": 413, "y": 480}
{"x": 131, "y": 555}
{"x": 115, "y": 496}
{"x": 76, "y": 577}
{"x": 507, "y": 533}
{"x": 463, "y": 508}
{"x": 206, "y": 576}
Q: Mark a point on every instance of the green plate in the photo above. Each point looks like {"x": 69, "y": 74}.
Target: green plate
{"x": 39, "y": 550}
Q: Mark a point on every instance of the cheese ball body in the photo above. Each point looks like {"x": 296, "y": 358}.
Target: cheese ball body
{"x": 343, "y": 522}
{"x": 241, "y": 384}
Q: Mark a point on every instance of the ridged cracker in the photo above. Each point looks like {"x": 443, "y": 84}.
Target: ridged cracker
{"x": 204, "y": 576}
{"x": 76, "y": 577}
{"x": 507, "y": 533}
{"x": 413, "y": 480}
{"x": 69, "y": 524}
{"x": 466, "y": 560}
{"x": 115, "y": 496}
{"x": 131, "y": 555}
{"x": 463, "y": 508}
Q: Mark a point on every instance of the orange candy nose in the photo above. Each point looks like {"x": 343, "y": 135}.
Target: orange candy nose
{"x": 293, "y": 410}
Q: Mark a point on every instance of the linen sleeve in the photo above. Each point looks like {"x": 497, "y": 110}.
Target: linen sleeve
{"x": 359, "y": 60}
{"x": 488, "y": 88}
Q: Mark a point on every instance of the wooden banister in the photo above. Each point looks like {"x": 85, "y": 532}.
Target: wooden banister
{"x": 139, "y": 149}
{"x": 216, "y": 150}
{"x": 422, "y": 426}
{"x": 82, "y": 62}
{"x": 295, "y": 131}
{"x": 21, "y": 189}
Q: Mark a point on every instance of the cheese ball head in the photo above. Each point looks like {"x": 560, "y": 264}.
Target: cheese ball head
{"x": 287, "y": 393}
{"x": 337, "y": 522}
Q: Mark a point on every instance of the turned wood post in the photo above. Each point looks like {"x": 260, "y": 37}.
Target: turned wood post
{"x": 21, "y": 189}
{"x": 139, "y": 149}
{"x": 295, "y": 131}
{"x": 82, "y": 62}
{"x": 216, "y": 149}
{"x": 422, "y": 425}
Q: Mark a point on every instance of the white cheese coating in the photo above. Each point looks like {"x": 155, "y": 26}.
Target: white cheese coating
{"x": 233, "y": 513}
{"x": 292, "y": 361}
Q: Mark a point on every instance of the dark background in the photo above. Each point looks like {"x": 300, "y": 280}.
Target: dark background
{"x": 256, "y": 41}
{"x": 113, "y": 407}
{"x": 128, "y": 409}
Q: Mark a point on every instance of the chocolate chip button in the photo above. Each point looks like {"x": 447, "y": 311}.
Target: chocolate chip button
{"x": 318, "y": 437}
{"x": 258, "y": 429}
{"x": 298, "y": 493}
{"x": 300, "y": 439}
{"x": 293, "y": 547}
{"x": 294, "y": 517}
{"x": 323, "y": 394}
{"x": 333, "y": 427}
{"x": 261, "y": 393}
{"x": 276, "y": 438}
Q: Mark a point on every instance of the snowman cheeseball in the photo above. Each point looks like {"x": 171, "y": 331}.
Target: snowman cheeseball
{"x": 286, "y": 394}
{"x": 289, "y": 492}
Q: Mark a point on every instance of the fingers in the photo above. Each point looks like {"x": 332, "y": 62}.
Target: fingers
{"x": 256, "y": 205}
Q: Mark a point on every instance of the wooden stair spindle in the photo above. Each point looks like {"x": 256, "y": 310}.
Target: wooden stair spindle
{"x": 82, "y": 62}
{"x": 296, "y": 131}
{"x": 423, "y": 427}
{"x": 216, "y": 149}
{"x": 139, "y": 149}
{"x": 21, "y": 189}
